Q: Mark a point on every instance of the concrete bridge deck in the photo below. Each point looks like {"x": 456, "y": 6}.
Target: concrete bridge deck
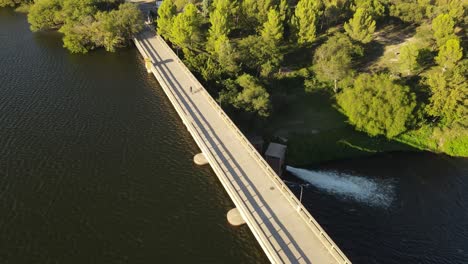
{"x": 283, "y": 227}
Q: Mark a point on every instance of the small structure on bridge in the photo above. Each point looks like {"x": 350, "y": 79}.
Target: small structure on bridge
{"x": 275, "y": 156}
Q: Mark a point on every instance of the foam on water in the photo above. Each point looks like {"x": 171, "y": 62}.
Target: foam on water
{"x": 374, "y": 192}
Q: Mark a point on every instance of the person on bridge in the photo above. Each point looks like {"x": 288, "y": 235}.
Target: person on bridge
{"x": 191, "y": 89}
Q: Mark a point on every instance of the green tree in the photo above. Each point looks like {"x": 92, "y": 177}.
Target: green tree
{"x": 264, "y": 7}
{"x": 219, "y": 23}
{"x": 13, "y": 3}
{"x": 449, "y": 54}
{"x": 77, "y": 10}
{"x": 375, "y": 8}
{"x": 334, "y": 11}
{"x": 284, "y": 10}
{"x": 185, "y": 31}
{"x": 305, "y": 20}
{"x": 114, "y": 28}
{"x": 226, "y": 55}
{"x": 414, "y": 11}
{"x": 377, "y": 105}
{"x": 45, "y": 14}
{"x": 253, "y": 97}
{"x": 77, "y": 36}
{"x": 273, "y": 28}
{"x": 449, "y": 94}
{"x": 455, "y": 8}
{"x": 408, "y": 58}
{"x": 249, "y": 9}
{"x": 361, "y": 26}
{"x": 333, "y": 60}
{"x": 166, "y": 14}
{"x": 260, "y": 56}
{"x": 206, "y": 7}
{"x": 443, "y": 27}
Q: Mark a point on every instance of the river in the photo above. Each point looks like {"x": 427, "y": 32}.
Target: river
{"x": 96, "y": 167}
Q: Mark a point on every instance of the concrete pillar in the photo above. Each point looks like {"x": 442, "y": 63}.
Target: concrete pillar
{"x": 148, "y": 64}
{"x": 200, "y": 159}
{"x": 235, "y": 218}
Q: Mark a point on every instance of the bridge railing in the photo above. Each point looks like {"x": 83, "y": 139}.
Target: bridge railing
{"x": 302, "y": 211}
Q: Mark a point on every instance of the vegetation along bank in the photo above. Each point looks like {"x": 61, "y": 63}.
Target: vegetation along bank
{"x": 335, "y": 78}
{"x": 315, "y": 71}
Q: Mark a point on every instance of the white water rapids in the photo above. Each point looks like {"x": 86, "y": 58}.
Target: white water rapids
{"x": 374, "y": 192}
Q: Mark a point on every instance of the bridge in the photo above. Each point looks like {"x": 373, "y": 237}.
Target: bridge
{"x": 285, "y": 230}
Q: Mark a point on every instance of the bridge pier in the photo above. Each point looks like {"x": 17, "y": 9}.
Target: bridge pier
{"x": 235, "y": 218}
{"x": 148, "y": 64}
{"x": 200, "y": 159}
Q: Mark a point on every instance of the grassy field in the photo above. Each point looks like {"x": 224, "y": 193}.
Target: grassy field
{"x": 315, "y": 131}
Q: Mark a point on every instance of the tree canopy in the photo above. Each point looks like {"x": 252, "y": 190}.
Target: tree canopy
{"x": 305, "y": 20}
{"x": 333, "y": 60}
{"x": 449, "y": 54}
{"x": 408, "y": 58}
{"x": 449, "y": 94}
{"x": 443, "y": 27}
{"x": 84, "y": 25}
{"x": 166, "y": 14}
{"x": 273, "y": 28}
{"x": 375, "y": 8}
{"x": 377, "y": 105}
{"x": 185, "y": 30}
{"x": 253, "y": 97}
{"x": 361, "y": 26}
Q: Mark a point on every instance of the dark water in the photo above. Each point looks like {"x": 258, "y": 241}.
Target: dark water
{"x": 95, "y": 167}
{"x": 409, "y": 207}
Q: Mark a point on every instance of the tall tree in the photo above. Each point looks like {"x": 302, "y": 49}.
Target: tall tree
{"x": 443, "y": 27}
{"x": 455, "y": 8}
{"x": 219, "y": 20}
{"x": 226, "y": 55}
{"x": 185, "y": 31}
{"x": 305, "y": 20}
{"x": 273, "y": 28}
{"x": 166, "y": 14}
{"x": 375, "y": 8}
{"x": 45, "y": 14}
{"x": 13, "y": 3}
{"x": 361, "y": 26}
{"x": 249, "y": 12}
{"x": 333, "y": 60}
{"x": 253, "y": 97}
{"x": 264, "y": 7}
{"x": 206, "y": 7}
{"x": 414, "y": 11}
{"x": 77, "y": 10}
{"x": 408, "y": 58}
{"x": 284, "y": 10}
{"x": 449, "y": 54}
{"x": 112, "y": 29}
{"x": 377, "y": 105}
{"x": 449, "y": 94}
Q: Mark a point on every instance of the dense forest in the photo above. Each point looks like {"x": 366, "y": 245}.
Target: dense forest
{"x": 85, "y": 24}
{"x": 395, "y": 68}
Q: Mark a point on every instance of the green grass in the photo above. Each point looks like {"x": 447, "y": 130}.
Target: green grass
{"x": 315, "y": 130}
{"x": 452, "y": 141}
{"x": 339, "y": 143}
